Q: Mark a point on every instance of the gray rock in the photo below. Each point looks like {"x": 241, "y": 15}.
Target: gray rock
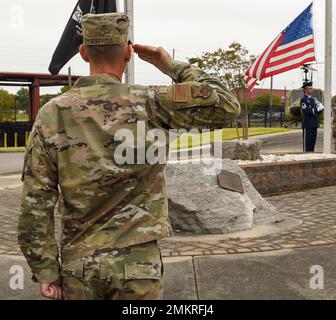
{"x": 197, "y": 204}
{"x": 237, "y": 150}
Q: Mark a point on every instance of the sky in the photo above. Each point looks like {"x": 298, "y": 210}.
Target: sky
{"x": 30, "y": 31}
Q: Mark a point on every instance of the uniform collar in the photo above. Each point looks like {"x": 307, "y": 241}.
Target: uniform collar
{"x": 96, "y": 79}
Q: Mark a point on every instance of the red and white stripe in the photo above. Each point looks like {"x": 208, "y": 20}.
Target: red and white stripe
{"x": 257, "y": 67}
{"x": 291, "y": 56}
{"x": 278, "y": 59}
{"x": 251, "y": 83}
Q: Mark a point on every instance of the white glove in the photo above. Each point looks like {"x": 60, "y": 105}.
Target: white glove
{"x": 320, "y": 107}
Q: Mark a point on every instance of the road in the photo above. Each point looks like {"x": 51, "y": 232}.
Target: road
{"x": 289, "y": 142}
{"x": 11, "y": 163}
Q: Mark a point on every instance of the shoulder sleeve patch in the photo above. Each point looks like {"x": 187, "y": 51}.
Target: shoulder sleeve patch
{"x": 185, "y": 95}
{"x": 180, "y": 93}
{"x": 203, "y": 92}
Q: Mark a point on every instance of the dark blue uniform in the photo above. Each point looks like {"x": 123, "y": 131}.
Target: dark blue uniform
{"x": 311, "y": 121}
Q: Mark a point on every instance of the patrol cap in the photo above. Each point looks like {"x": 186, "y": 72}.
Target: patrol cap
{"x": 105, "y": 29}
{"x": 307, "y": 85}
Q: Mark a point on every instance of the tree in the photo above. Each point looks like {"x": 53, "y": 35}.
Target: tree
{"x": 22, "y": 98}
{"x": 64, "y": 89}
{"x": 45, "y": 99}
{"x": 7, "y": 102}
{"x": 263, "y": 101}
{"x": 229, "y": 66}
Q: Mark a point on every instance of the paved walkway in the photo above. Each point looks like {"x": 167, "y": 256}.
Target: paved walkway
{"x": 317, "y": 209}
{"x": 260, "y": 267}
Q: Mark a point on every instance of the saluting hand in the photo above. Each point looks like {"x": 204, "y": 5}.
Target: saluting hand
{"x": 158, "y": 57}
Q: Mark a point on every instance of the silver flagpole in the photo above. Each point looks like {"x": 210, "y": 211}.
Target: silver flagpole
{"x": 129, "y": 10}
{"x": 328, "y": 79}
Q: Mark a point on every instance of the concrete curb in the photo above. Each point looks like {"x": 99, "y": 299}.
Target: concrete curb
{"x": 10, "y": 174}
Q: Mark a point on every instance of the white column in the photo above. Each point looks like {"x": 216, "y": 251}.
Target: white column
{"x": 129, "y": 10}
{"x": 327, "y": 141}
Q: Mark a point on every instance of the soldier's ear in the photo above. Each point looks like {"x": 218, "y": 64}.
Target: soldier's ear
{"x": 128, "y": 53}
{"x": 83, "y": 53}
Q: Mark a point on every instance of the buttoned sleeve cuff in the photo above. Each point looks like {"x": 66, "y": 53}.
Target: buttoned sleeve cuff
{"x": 46, "y": 276}
{"x": 175, "y": 69}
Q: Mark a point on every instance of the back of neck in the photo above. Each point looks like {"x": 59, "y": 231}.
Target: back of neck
{"x": 106, "y": 69}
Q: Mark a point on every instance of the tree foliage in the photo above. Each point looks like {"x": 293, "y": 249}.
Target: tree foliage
{"x": 64, "y": 89}
{"x": 263, "y": 101}
{"x": 45, "y": 99}
{"x": 228, "y": 65}
{"x": 7, "y": 102}
{"x": 22, "y": 98}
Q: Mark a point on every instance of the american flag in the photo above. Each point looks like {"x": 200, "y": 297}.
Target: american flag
{"x": 291, "y": 49}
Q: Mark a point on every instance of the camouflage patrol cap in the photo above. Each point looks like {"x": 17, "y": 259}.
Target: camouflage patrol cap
{"x": 105, "y": 29}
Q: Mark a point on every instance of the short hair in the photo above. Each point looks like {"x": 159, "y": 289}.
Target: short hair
{"x": 105, "y": 53}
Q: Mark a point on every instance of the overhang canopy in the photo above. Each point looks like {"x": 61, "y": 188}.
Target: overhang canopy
{"x": 34, "y": 81}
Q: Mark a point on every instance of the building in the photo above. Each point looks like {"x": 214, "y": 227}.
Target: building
{"x": 281, "y": 93}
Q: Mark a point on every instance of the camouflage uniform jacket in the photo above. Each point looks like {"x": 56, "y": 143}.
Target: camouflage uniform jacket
{"x": 71, "y": 149}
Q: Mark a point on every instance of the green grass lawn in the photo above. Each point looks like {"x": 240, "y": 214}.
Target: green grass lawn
{"x": 196, "y": 140}
{"x": 22, "y": 117}
{"x": 12, "y": 150}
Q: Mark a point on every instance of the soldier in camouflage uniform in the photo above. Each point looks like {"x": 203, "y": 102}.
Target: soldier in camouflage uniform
{"x": 112, "y": 214}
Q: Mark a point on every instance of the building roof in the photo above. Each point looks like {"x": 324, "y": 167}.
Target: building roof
{"x": 41, "y": 79}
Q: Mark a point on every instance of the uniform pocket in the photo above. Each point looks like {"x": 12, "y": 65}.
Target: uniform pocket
{"x": 73, "y": 268}
{"x": 142, "y": 271}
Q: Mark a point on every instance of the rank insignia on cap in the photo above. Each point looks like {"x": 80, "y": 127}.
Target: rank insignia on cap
{"x": 202, "y": 91}
{"x": 180, "y": 93}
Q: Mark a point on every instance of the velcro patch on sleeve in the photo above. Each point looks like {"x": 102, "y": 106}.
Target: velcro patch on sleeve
{"x": 203, "y": 92}
{"x": 181, "y": 93}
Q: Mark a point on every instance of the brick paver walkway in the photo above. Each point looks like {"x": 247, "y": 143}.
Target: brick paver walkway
{"x": 317, "y": 209}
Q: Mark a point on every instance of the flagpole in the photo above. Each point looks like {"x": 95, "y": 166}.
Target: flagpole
{"x": 271, "y": 104}
{"x": 129, "y": 10}
{"x": 328, "y": 79}
{"x": 69, "y": 78}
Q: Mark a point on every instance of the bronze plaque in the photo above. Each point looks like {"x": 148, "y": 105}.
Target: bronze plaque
{"x": 231, "y": 181}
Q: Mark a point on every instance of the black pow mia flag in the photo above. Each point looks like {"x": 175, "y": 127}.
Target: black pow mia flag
{"x": 72, "y": 36}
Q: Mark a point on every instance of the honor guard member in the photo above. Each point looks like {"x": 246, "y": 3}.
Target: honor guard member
{"x": 311, "y": 109}
{"x": 112, "y": 214}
